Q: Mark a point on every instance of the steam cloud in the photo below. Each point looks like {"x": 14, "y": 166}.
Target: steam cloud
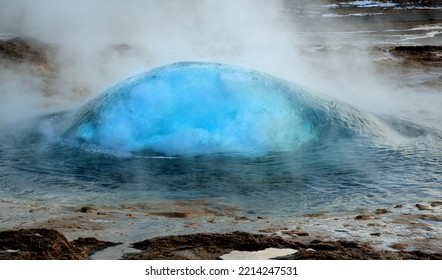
{"x": 102, "y": 42}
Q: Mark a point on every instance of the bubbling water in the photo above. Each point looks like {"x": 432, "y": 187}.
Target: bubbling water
{"x": 224, "y": 133}
{"x": 193, "y": 108}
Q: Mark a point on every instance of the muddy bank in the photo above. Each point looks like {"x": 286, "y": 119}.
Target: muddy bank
{"x": 46, "y": 244}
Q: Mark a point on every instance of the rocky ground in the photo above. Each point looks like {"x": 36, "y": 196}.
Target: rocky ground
{"x": 197, "y": 231}
{"x": 213, "y": 245}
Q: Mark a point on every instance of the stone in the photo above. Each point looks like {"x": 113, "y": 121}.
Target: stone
{"x": 381, "y": 211}
{"x": 436, "y": 203}
{"x": 363, "y": 217}
{"x": 423, "y": 207}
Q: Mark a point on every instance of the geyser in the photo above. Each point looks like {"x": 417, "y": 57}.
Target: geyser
{"x": 196, "y": 108}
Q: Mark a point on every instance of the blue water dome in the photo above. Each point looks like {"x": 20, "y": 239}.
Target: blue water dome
{"x": 194, "y": 108}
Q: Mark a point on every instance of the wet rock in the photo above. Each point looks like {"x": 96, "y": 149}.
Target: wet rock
{"x": 423, "y": 207}
{"x": 205, "y": 245}
{"x": 242, "y": 218}
{"x": 46, "y": 244}
{"x": 91, "y": 245}
{"x": 363, "y": 217}
{"x": 436, "y": 218}
{"x": 86, "y": 209}
{"x": 211, "y": 220}
{"x": 381, "y": 211}
{"x": 398, "y": 206}
{"x": 319, "y": 245}
{"x": 315, "y": 215}
{"x": 399, "y": 246}
{"x": 375, "y": 234}
{"x": 272, "y": 230}
{"x": 180, "y": 215}
{"x": 213, "y": 245}
{"x": 436, "y": 203}
{"x": 350, "y": 250}
{"x": 419, "y": 54}
{"x": 296, "y": 232}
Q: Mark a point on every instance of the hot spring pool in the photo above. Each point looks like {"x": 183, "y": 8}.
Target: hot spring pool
{"x": 329, "y": 157}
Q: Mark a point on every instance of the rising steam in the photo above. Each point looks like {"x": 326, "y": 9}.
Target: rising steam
{"x": 102, "y": 42}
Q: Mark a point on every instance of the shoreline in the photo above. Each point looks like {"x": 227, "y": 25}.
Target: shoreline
{"x": 398, "y": 232}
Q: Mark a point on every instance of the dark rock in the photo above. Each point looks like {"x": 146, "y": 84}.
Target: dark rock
{"x": 21, "y": 50}
{"x": 381, "y": 211}
{"x": 91, "y": 245}
{"x": 436, "y": 203}
{"x": 86, "y": 209}
{"x": 363, "y": 217}
{"x": 315, "y": 215}
{"x": 46, "y": 244}
{"x": 419, "y": 54}
{"x": 296, "y": 232}
{"x": 423, "y": 207}
{"x": 214, "y": 245}
{"x": 436, "y": 218}
{"x": 180, "y": 215}
{"x": 319, "y": 245}
{"x": 399, "y": 246}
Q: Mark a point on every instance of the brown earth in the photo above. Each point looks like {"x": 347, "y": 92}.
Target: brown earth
{"x": 22, "y": 50}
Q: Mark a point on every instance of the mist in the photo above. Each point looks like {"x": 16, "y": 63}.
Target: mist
{"x": 103, "y": 42}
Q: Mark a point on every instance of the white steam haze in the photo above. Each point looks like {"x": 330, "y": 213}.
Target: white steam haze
{"x": 104, "y": 41}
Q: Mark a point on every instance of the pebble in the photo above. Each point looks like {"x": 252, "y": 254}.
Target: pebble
{"x": 399, "y": 246}
{"x": 436, "y": 203}
{"x": 315, "y": 215}
{"x": 381, "y": 211}
{"x": 362, "y": 217}
{"x": 86, "y": 209}
{"x": 435, "y": 218}
{"x": 172, "y": 214}
{"x": 242, "y": 218}
{"x": 296, "y": 232}
{"x": 423, "y": 207}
